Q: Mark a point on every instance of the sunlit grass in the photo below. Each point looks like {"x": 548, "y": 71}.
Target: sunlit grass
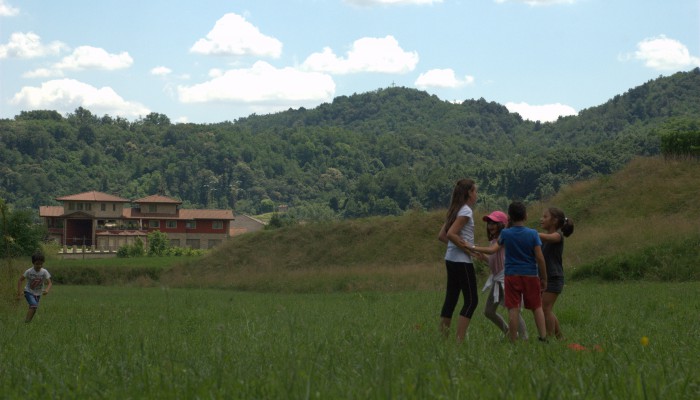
{"x": 113, "y": 342}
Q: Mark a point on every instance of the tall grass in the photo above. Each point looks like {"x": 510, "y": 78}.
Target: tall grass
{"x": 636, "y": 224}
{"x": 364, "y": 254}
{"x": 109, "y": 342}
{"x": 644, "y": 210}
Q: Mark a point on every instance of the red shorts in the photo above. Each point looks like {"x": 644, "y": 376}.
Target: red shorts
{"x": 525, "y": 287}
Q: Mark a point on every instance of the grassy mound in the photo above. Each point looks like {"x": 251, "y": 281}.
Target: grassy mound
{"x": 640, "y": 223}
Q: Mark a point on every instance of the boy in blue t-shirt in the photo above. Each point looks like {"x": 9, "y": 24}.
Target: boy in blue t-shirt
{"x": 523, "y": 262}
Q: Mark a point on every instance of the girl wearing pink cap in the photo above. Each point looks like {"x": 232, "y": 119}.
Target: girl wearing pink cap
{"x": 495, "y": 223}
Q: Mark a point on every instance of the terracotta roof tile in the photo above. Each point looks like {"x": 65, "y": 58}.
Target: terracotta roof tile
{"x": 182, "y": 214}
{"x": 92, "y": 196}
{"x": 50, "y": 211}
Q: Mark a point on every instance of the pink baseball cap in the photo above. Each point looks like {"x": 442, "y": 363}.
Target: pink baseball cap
{"x": 497, "y": 216}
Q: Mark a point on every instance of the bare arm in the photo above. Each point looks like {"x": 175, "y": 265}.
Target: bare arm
{"x": 453, "y": 233}
{"x": 19, "y": 285}
{"x": 487, "y": 249}
{"x": 442, "y": 236}
{"x": 554, "y": 237}
{"x": 480, "y": 256}
{"x": 542, "y": 266}
{"x": 48, "y": 287}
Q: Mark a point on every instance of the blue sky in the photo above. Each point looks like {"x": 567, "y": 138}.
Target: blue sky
{"x": 209, "y": 61}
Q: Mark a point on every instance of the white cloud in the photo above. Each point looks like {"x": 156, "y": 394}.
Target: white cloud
{"x": 43, "y": 73}
{"x": 88, "y": 57}
{"x": 442, "y": 78}
{"x": 28, "y": 45}
{"x": 65, "y": 95}
{"x": 662, "y": 53}
{"x": 366, "y": 55}
{"x": 161, "y": 71}
{"x": 543, "y": 113}
{"x": 216, "y": 72}
{"x": 233, "y": 35}
{"x": 391, "y": 2}
{"x": 262, "y": 83}
{"x": 7, "y": 10}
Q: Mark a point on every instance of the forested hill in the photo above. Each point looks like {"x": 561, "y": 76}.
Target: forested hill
{"x": 373, "y": 153}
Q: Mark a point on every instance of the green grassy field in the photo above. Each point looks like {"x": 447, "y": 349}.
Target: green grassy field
{"x": 349, "y": 309}
{"x": 129, "y": 342}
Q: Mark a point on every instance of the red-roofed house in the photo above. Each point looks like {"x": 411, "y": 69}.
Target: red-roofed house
{"x": 109, "y": 222}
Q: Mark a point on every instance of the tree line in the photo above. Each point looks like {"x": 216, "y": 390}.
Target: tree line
{"x": 378, "y": 153}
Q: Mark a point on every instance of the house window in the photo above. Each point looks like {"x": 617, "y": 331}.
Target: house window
{"x": 114, "y": 206}
{"x": 217, "y": 225}
{"x": 192, "y": 243}
{"x": 153, "y": 223}
{"x": 174, "y": 242}
{"x": 171, "y": 224}
{"x": 152, "y": 208}
{"x": 106, "y": 224}
{"x": 103, "y": 207}
{"x": 55, "y": 223}
{"x": 71, "y": 206}
{"x": 80, "y": 206}
{"x": 88, "y": 206}
{"x": 191, "y": 225}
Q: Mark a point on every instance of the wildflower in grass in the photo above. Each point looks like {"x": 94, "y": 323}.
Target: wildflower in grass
{"x": 576, "y": 347}
{"x": 644, "y": 341}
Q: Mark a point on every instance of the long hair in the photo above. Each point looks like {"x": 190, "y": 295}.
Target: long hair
{"x": 565, "y": 224}
{"x": 460, "y": 195}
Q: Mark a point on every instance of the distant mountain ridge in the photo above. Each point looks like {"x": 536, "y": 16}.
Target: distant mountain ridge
{"x": 376, "y": 153}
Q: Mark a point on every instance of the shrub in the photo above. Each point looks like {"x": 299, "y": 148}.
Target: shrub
{"x": 19, "y": 235}
{"x": 666, "y": 261}
{"x": 135, "y": 249}
{"x": 158, "y": 243}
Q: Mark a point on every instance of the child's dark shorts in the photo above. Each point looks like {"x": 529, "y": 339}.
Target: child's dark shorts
{"x": 555, "y": 284}
{"x": 32, "y": 299}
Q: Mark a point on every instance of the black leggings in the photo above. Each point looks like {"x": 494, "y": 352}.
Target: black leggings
{"x": 461, "y": 277}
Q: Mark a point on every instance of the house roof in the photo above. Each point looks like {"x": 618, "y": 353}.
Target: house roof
{"x": 92, "y": 196}
{"x": 156, "y": 198}
{"x": 132, "y": 213}
{"x": 58, "y": 211}
{"x": 50, "y": 211}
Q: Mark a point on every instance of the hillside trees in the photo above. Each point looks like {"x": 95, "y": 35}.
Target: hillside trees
{"x": 680, "y": 137}
{"x": 19, "y": 235}
{"x": 381, "y": 152}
